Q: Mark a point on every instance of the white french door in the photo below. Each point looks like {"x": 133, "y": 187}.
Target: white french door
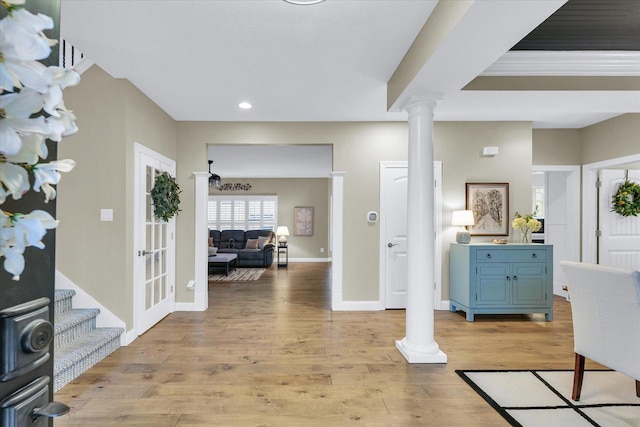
{"x": 619, "y": 242}
{"x": 154, "y": 263}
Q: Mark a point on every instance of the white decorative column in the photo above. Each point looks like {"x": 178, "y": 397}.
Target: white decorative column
{"x": 201, "y": 194}
{"x": 419, "y": 346}
{"x": 336, "y": 227}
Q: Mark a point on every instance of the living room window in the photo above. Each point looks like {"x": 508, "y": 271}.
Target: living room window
{"x": 242, "y": 212}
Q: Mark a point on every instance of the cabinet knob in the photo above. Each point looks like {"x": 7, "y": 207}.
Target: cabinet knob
{"x": 488, "y": 255}
{"x": 535, "y": 255}
{"x": 508, "y": 278}
{"x": 515, "y": 277}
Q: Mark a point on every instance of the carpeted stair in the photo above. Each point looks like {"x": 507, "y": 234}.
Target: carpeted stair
{"x": 78, "y": 343}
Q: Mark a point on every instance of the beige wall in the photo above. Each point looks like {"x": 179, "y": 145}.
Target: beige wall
{"x": 458, "y": 145}
{"x": 314, "y": 192}
{"x": 557, "y": 147}
{"x": 357, "y": 150}
{"x": 617, "y": 137}
{"x": 112, "y": 115}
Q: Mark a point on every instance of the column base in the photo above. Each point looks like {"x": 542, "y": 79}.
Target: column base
{"x": 414, "y": 355}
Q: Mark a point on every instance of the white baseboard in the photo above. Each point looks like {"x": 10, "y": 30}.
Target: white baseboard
{"x": 443, "y": 305}
{"x": 189, "y": 306}
{"x": 106, "y": 319}
{"x": 358, "y": 306}
{"x": 309, "y": 259}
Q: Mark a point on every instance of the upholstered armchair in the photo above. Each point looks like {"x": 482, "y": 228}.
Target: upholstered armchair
{"x": 605, "y": 303}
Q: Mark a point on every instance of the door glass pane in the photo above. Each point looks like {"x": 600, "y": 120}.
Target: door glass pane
{"x": 148, "y": 208}
{"x": 158, "y": 237}
{"x": 149, "y": 235}
{"x": 156, "y": 290}
{"x": 148, "y": 291}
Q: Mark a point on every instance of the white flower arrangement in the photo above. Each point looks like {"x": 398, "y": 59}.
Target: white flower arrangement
{"x": 31, "y": 111}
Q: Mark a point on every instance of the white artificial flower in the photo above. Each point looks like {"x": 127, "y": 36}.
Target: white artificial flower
{"x": 15, "y": 119}
{"x": 34, "y": 148}
{"x": 21, "y": 36}
{"x": 17, "y": 232}
{"x": 22, "y": 43}
{"x": 58, "y": 79}
{"x": 63, "y": 77}
{"x": 29, "y": 229}
{"x": 3, "y": 195}
{"x": 63, "y": 125}
{"x": 15, "y": 179}
{"x": 47, "y": 174}
{"x": 31, "y": 74}
{"x": 13, "y": 261}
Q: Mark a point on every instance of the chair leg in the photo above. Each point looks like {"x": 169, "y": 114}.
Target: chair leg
{"x": 578, "y": 375}
{"x": 637, "y": 388}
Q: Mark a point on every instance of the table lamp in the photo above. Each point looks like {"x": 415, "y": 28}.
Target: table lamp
{"x": 463, "y": 219}
{"x": 283, "y": 232}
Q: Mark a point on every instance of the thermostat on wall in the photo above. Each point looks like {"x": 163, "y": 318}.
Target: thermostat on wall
{"x": 372, "y": 216}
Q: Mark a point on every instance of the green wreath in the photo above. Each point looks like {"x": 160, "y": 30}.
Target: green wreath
{"x": 165, "y": 196}
{"x": 626, "y": 201}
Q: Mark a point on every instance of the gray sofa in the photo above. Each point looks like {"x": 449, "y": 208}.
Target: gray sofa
{"x": 235, "y": 242}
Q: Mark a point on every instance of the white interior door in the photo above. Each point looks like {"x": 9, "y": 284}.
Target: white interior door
{"x": 154, "y": 245}
{"x": 395, "y": 232}
{"x": 619, "y": 242}
{"x": 393, "y": 229}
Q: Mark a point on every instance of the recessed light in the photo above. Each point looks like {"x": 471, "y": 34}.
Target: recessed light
{"x": 304, "y": 2}
{"x": 245, "y": 105}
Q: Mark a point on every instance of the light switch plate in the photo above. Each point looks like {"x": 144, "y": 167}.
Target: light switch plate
{"x": 106, "y": 214}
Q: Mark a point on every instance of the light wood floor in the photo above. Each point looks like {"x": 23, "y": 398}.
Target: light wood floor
{"x": 272, "y": 353}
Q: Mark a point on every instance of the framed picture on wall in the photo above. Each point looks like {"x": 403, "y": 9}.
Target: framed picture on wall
{"x": 303, "y": 221}
{"x": 490, "y": 205}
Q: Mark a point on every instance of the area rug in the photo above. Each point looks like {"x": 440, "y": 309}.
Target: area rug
{"x": 543, "y": 398}
{"x": 238, "y": 275}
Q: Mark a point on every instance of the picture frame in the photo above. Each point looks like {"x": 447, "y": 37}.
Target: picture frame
{"x": 303, "y": 221}
{"x": 489, "y": 202}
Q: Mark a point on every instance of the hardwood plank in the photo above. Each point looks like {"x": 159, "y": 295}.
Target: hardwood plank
{"x": 272, "y": 353}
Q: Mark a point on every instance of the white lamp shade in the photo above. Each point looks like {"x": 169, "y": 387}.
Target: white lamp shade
{"x": 282, "y": 230}
{"x": 462, "y": 218}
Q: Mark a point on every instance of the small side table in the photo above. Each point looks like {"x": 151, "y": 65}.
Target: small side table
{"x": 283, "y": 255}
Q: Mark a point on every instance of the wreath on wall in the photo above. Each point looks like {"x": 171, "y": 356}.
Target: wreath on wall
{"x": 165, "y": 196}
{"x": 626, "y": 201}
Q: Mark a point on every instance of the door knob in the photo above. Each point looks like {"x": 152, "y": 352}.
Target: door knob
{"x": 145, "y": 252}
{"x": 392, "y": 244}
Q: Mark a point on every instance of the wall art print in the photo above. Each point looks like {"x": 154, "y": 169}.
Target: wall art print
{"x": 490, "y": 205}
{"x": 303, "y": 221}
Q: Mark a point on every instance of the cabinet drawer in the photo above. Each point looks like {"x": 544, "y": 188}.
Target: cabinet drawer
{"x": 519, "y": 255}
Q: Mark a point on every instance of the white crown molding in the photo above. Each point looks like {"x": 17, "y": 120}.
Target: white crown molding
{"x": 566, "y": 63}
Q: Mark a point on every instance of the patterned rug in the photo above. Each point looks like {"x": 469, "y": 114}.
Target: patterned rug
{"x": 543, "y": 398}
{"x": 238, "y": 275}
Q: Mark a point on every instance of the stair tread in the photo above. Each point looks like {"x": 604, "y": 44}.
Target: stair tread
{"x": 68, "y": 354}
{"x": 61, "y": 294}
{"x": 73, "y": 317}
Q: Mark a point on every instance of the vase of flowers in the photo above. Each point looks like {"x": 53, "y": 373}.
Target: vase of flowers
{"x": 526, "y": 225}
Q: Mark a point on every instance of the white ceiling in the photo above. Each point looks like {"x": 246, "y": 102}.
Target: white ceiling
{"x": 197, "y": 59}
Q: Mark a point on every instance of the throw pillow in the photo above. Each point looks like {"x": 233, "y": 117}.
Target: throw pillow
{"x": 211, "y": 242}
{"x": 262, "y": 240}
{"x": 252, "y": 244}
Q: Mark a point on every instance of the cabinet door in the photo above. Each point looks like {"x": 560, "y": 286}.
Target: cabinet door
{"x": 493, "y": 284}
{"x": 528, "y": 282}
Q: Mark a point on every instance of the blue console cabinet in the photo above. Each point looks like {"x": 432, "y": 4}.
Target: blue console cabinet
{"x": 501, "y": 279}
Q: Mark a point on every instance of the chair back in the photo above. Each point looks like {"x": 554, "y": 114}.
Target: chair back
{"x": 605, "y": 304}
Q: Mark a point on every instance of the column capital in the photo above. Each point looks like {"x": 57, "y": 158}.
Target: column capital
{"x": 424, "y": 101}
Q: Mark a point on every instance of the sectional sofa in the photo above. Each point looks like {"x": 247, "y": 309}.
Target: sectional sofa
{"x": 253, "y": 247}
